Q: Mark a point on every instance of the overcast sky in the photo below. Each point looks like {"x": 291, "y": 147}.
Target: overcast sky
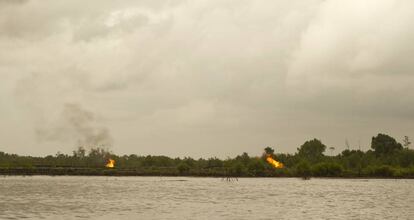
{"x": 203, "y": 77}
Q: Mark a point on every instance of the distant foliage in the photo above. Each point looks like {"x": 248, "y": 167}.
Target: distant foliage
{"x": 327, "y": 169}
{"x": 388, "y": 158}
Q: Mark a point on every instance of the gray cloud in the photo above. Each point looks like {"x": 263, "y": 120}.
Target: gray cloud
{"x": 204, "y": 78}
{"x": 5, "y": 3}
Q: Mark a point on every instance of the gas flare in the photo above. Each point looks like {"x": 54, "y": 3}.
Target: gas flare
{"x": 273, "y": 162}
{"x": 110, "y": 164}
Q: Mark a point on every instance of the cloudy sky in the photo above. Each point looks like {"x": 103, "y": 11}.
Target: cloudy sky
{"x": 203, "y": 77}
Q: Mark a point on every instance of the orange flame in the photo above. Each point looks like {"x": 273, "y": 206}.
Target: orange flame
{"x": 110, "y": 164}
{"x": 273, "y": 162}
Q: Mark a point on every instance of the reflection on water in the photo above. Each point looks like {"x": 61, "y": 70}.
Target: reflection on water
{"x": 203, "y": 198}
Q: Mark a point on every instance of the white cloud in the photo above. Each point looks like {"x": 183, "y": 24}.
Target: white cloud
{"x": 349, "y": 42}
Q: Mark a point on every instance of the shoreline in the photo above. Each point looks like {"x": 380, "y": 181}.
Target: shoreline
{"x": 59, "y": 171}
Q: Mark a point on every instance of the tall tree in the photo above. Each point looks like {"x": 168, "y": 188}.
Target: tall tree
{"x": 312, "y": 150}
{"x": 384, "y": 144}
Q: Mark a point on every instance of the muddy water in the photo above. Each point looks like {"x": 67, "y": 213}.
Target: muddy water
{"x": 43, "y": 197}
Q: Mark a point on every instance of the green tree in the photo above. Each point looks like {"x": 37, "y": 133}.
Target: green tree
{"x": 269, "y": 150}
{"x": 352, "y": 159}
{"x": 383, "y": 144}
{"x": 244, "y": 158}
{"x": 256, "y": 167}
{"x": 405, "y": 157}
{"x": 214, "y": 162}
{"x": 148, "y": 161}
{"x": 312, "y": 150}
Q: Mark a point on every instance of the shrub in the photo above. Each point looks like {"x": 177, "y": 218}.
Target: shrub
{"x": 383, "y": 171}
{"x": 327, "y": 169}
{"x": 183, "y": 168}
{"x": 238, "y": 169}
{"x": 303, "y": 169}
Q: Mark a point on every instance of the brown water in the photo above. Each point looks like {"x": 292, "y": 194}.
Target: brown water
{"x": 43, "y": 197}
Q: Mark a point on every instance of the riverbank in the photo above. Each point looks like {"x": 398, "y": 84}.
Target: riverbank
{"x": 172, "y": 172}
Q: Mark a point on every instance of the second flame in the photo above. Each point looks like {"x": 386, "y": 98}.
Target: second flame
{"x": 273, "y": 162}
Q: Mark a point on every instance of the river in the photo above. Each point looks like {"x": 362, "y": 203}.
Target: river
{"x": 70, "y": 197}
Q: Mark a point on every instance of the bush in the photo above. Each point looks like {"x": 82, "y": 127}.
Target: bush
{"x": 256, "y": 167}
{"x": 303, "y": 169}
{"x": 183, "y": 168}
{"x": 408, "y": 172}
{"x": 383, "y": 171}
{"x": 284, "y": 172}
{"x": 327, "y": 169}
{"x": 238, "y": 169}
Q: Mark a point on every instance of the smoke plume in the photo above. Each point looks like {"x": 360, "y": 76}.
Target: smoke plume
{"x": 79, "y": 124}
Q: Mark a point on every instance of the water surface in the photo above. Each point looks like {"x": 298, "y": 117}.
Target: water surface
{"x": 44, "y": 197}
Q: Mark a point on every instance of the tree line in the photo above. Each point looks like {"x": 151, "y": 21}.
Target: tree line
{"x": 386, "y": 158}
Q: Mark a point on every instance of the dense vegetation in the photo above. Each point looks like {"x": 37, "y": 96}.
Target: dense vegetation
{"x": 387, "y": 158}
